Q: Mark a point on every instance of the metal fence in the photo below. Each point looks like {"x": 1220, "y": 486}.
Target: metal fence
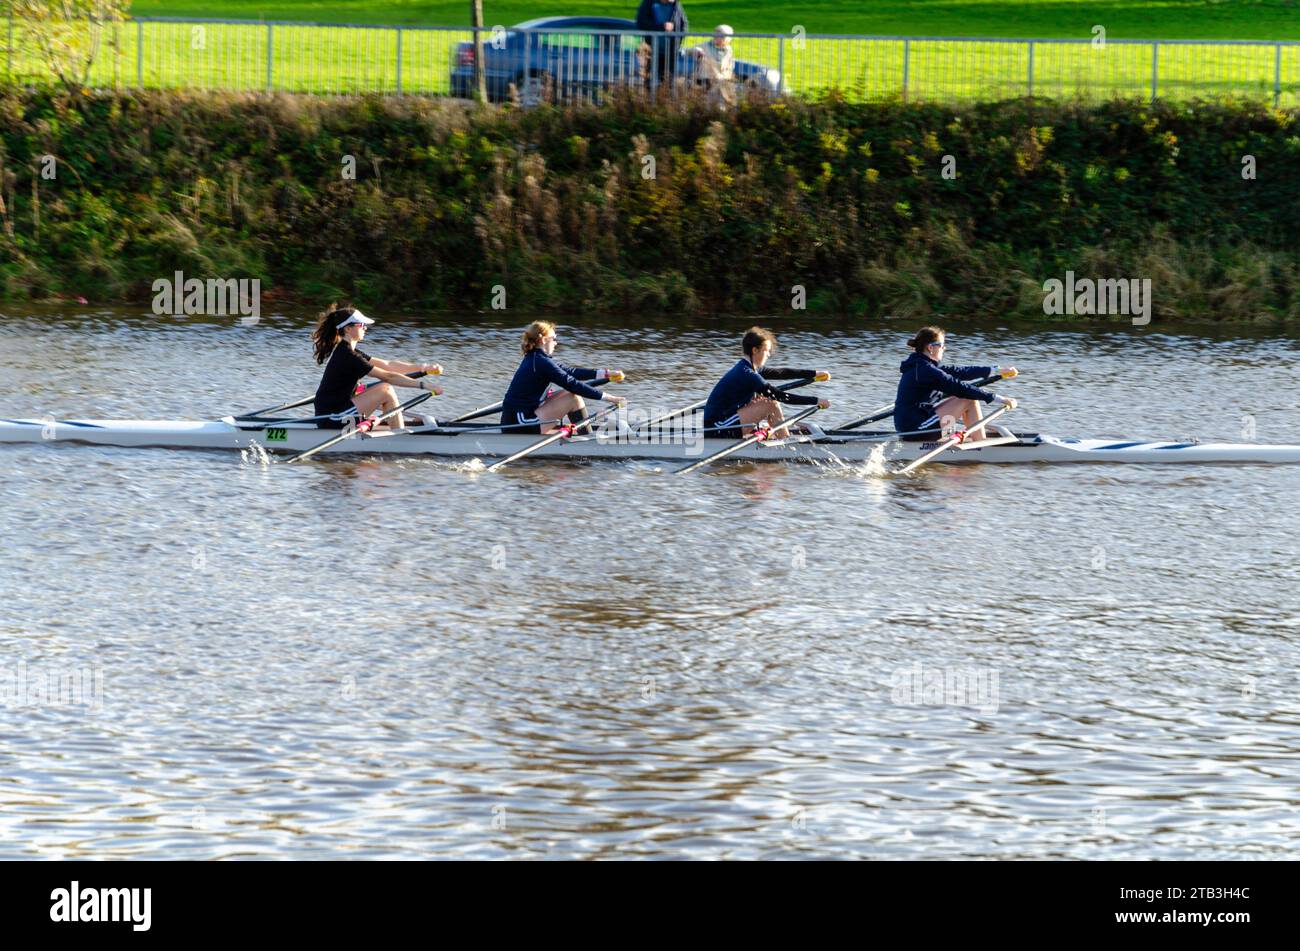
{"x": 343, "y": 59}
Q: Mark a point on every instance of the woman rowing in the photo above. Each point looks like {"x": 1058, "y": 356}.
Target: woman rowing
{"x": 531, "y": 406}
{"x": 932, "y": 395}
{"x": 337, "y": 333}
{"x": 744, "y": 399}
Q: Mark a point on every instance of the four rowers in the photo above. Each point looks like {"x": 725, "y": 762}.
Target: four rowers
{"x": 543, "y": 392}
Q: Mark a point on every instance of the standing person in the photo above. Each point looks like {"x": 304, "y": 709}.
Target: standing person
{"x": 530, "y": 406}
{"x": 665, "y": 23}
{"x": 931, "y": 395}
{"x": 743, "y": 398}
{"x": 716, "y": 65}
{"x": 338, "y": 331}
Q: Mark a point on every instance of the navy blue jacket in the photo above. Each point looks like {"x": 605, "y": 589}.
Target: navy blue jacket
{"x": 647, "y": 18}
{"x": 924, "y": 383}
{"x": 536, "y": 372}
{"x": 742, "y": 383}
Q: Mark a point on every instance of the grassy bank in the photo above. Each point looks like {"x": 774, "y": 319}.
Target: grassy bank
{"x": 1143, "y": 19}
{"x": 323, "y": 59}
{"x": 847, "y": 201}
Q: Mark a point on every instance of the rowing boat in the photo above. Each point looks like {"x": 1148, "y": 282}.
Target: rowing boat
{"x": 471, "y": 441}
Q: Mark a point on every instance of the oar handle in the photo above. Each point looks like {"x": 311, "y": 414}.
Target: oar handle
{"x": 414, "y": 375}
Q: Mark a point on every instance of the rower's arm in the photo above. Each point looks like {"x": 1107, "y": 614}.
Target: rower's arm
{"x": 786, "y": 373}
{"x": 396, "y": 379}
{"x": 554, "y": 373}
{"x": 781, "y": 396}
{"x": 396, "y": 366}
{"x": 580, "y": 373}
{"x": 970, "y": 373}
{"x": 794, "y": 399}
{"x": 954, "y": 387}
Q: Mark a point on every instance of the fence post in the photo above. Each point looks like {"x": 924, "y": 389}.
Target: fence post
{"x": 139, "y": 54}
{"x": 480, "y": 65}
{"x": 269, "y": 39}
{"x": 1031, "y": 67}
{"x": 907, "y": 55}
{"x": 1155, "y": 71}
{"x": 1277, "y": 75}
{"x": 780, "y": 63}
{"x": 399, "y": 60}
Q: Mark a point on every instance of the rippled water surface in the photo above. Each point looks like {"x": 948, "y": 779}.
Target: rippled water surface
{"x": 409, "y": 658}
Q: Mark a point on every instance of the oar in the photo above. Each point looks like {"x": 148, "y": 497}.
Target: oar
{"x": 758, "y": 436}
{"x": 496, "y": 408}
{"x": 362, "y": 427}
{"x": 277, "y": 409}
{"x": 949, "y": 443}
{"x": 564, "y": 432}
{"x": 886, "y": 411}
{"x": 415, "y": 375}
{"x": 793, "y": 384}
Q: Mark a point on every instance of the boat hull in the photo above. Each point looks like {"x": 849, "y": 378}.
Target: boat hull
{"x": 852, "y": 447}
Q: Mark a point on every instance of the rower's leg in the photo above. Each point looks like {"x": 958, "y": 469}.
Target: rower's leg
{"x": 557, "y": 407}
{"x": 974, "y": 416}
{"x": 381, "y": 398}
{"x": 955, "y": 409}
{"x": 756, "y": 410}
{"x": 578, "y": 416}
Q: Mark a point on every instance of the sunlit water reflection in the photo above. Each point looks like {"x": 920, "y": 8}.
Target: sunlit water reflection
{"x": 410, "y": 658}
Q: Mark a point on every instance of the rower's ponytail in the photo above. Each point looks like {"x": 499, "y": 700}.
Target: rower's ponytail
{"x": 326, "y": 335}
{"x": 924, "y": 337}
{"x": 533, "y": 334}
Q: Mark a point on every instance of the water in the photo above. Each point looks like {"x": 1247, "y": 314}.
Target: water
{"x": 408, "y": 658}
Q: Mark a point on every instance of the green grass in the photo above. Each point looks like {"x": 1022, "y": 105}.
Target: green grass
{"x": 336, "y": 59}
{"x": 1142, "y": 19}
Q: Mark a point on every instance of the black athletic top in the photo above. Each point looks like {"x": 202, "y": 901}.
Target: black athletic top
{"x": 343, "y": 371}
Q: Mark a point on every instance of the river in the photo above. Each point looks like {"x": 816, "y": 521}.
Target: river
{"x": 407, "y": 658}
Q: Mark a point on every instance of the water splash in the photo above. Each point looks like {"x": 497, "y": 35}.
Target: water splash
{"x": 871, "y": 467}
{"x": 255, "y": 455}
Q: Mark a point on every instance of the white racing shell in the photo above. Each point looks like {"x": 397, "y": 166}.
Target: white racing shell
{"x": 845, "y": 446}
